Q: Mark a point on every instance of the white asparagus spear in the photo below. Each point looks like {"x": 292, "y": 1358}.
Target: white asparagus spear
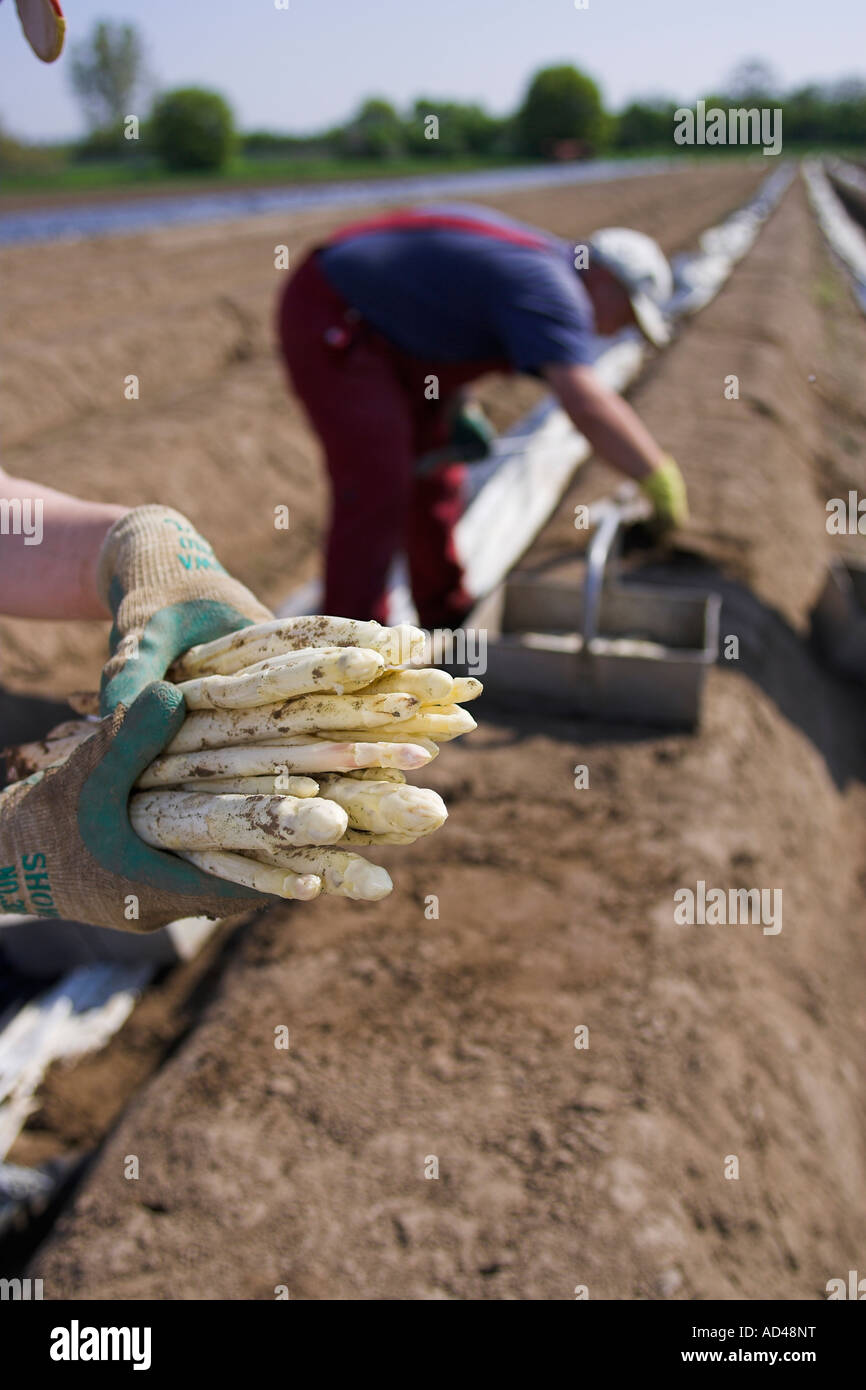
{"x": 432, "y": 687}
{"x": 307, "y": 715}
{"x": 72, "y": 728}
{"x": 83, "y": 701}
{"x": 429, "y": 685}
{"x": 333, "y": 670}
{"x": 236, "y": 650}
{"x": 262, "y": 878}
{"x": 24, "y": 759}
{"x": 376, "y": 774}
{"x": 276, "y": 785}
{"x": 266, "y": 760}
{"x": 400, "y": 645}
{"x": 342, "y": 873}
{"x": 439, "y": 723}
{"x": 466, "y": 688}
{"x": 382, "y": 737}
{"x": 197, "y": 821}
{"x": 383, "y": 807}
{"x": 365, "y": 837}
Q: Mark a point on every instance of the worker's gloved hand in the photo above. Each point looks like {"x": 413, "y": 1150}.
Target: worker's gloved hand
{"x": 67, "y": 848}
{"x": 666, "y": 489}
{"x": 471, "y": 433}
{"x": 168, "y": 592}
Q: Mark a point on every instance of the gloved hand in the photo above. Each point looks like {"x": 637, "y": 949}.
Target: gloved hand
{"x": 168, "y": 592}
{"x": 67, "y": 848}
{"x": 471, "y": 432}
{"x": 666, "y": 489}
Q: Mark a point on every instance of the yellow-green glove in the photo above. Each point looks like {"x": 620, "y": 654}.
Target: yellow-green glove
{"x": 666, "y": 489}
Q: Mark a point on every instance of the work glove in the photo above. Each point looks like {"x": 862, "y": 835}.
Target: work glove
{"x": 168, "y": 592}
{"x": 471, "y": 433}
{"x": 67, "y": 848}
{"x": 666, "y": 489}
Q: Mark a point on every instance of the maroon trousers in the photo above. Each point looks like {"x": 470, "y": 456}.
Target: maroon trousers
{"x": 366, "y": 399}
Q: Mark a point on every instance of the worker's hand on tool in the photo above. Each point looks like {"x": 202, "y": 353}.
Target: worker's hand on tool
{"x": 168, "y": 592}
{"x": 666, "y": 489}
{"x": 67, "y": 848}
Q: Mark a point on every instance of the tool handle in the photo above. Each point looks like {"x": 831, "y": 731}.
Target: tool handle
{"x": 611, "y": 515}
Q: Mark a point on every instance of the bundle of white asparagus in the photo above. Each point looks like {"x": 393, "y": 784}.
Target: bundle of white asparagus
{"x": 298, "y": 736}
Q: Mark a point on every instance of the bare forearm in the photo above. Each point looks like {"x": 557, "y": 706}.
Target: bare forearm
{"x": 49, "y": 547}
{"x": 609, "y": 423}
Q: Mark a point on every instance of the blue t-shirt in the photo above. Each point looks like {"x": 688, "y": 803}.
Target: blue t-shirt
{"x": 491, "y": 288}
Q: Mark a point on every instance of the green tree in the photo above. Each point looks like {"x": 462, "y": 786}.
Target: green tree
{"x": 376, "y": 132}
{"x": 192, "y": 129}
{"x": 561, "y": 104}
{"x": 481, "y": 132}
{"x": 18, "y": 158}
{"x": 646, "y": 122}
{"x": 752, "y": 83}
{"x": 107, "y": 71}
{"x": 847, "y": 101}
{"x": 448, "y": 135}
{"x": 464, "y": 128}
{"x": 807, "y": 114}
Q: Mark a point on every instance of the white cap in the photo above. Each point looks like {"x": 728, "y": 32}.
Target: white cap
{"x": 641, "y": 267}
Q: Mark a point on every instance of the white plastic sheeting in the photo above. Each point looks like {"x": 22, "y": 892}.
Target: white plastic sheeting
{"x": 133, "y": 216}
{"x": 846, "y": 173}
{"x": 78, "y": 1015}
{"x": 845, "y": 237}
{"x": 698, "y": 276}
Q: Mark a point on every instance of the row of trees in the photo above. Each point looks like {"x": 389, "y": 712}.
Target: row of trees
{"x": 562, "y": 115}
{"x": 193, "y": 128}
{"x": 833, "y": 114}
{"x": 189, "y": 128}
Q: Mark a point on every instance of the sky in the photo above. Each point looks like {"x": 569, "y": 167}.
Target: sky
{"x": 309, "y": 65}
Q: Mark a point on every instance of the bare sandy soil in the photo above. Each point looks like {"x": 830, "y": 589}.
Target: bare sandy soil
{"x": 454, "y": 1038}
{"x": 190, "y": 313}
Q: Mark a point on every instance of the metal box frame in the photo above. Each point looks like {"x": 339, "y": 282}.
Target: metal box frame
{"x": 610, "y": 650}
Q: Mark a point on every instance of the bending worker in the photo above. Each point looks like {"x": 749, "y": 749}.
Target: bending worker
{"x": 381, "y": 329}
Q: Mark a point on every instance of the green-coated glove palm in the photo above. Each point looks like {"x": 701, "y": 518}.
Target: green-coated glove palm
{"x": 168, "y": 592}
{"x": 67, "y": 848}
{"x": 666, "y": 489}
{"x": 472, "y": 433}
